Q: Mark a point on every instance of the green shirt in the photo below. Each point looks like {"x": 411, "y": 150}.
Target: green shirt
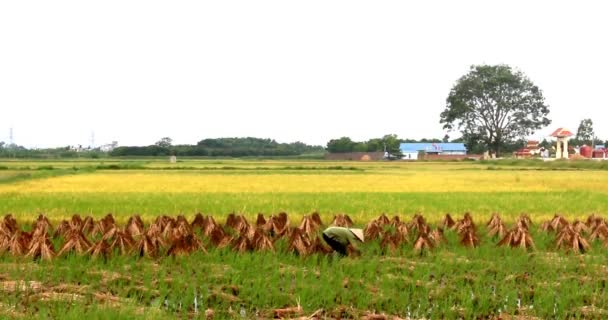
{"x": 342, "y": 235}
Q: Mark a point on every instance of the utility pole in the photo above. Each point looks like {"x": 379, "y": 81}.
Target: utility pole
{"x": 92, "y": 140}
{"x": 386, "y": 155}
{"x": 11, "y": 142}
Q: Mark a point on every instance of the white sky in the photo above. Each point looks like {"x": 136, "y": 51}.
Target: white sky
{"x": 136, "y": 71}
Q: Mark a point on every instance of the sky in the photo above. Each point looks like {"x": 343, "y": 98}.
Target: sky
{"x": 310, "y": 71}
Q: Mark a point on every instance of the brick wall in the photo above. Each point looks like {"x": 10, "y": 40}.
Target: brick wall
{"x": 355, "y": 156}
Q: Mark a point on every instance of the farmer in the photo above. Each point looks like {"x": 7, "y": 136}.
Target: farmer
{"x": 340, "y": 239}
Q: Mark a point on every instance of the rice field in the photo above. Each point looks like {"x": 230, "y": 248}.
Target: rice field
{"x": 451, "y": 281}
{"x": 363, "y": 190}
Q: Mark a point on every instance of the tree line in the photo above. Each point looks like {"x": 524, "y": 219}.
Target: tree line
{"x": 221, "y": 147}
{"x": 585, "y": 135}
{"x": 17, "y": 151}
{"x": 346, "y": 144}
{"x": 389, "y": 143}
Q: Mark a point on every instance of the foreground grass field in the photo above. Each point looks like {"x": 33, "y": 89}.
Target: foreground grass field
{"x": 449, "y": 282}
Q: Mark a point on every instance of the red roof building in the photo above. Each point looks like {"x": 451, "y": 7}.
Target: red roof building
{"x": 532, "y": 144}
{"x": 561, "y": 149}
{"x": 530, "y": 149}
{"x": 562, "y": 132}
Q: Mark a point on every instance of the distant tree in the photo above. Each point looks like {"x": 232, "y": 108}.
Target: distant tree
{"x": 164, "y": 142}
{"x": 474, "y": 143}
{"x": 390, "y": 142}
{"x": 515, "y": 145}
{"x": 248, "y": 146}
{"x": 445, "y": 139}
{"x": 360, "y": 147}
{"x": 2, "y": 144}
{"x": 393, "y": 145}
{"x": 344, "y": 144}
{"x": 584, "y": 134}
{"x": 545, "y": 144}
{"x": 375, "y": 145}
{"x": 495, "y": 105}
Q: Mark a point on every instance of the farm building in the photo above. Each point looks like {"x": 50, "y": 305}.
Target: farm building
{"x": 412, "y": 150}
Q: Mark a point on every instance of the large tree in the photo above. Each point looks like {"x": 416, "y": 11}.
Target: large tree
{"x": 344, "y": 144}
{"x": 165, "y": 142}
{"x": 585, "y": 134}
{"x": 392, "y": 145}
{"x": 495, "y": 104}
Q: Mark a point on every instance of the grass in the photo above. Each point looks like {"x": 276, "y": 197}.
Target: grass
{"x": 548, "y": 165}
{"x": 10, "y": 177}
{"x": 361, "y": 206}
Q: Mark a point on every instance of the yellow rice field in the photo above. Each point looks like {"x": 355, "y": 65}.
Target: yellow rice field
{"x": 398, "y": 181}
{"x": 362, "y": 189}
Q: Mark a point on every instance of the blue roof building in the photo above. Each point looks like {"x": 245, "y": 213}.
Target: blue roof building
{"x": 410, "y": 150}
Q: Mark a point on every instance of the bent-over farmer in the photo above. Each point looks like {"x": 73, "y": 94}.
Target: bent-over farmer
{"x": 340, "y": 238}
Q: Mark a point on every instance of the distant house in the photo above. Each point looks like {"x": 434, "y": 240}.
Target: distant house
{"x": 412, "y": 150}
{"x": 109, "y": 147}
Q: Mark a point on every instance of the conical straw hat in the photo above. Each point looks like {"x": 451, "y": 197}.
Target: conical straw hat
{"x": 358, "y": 233}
